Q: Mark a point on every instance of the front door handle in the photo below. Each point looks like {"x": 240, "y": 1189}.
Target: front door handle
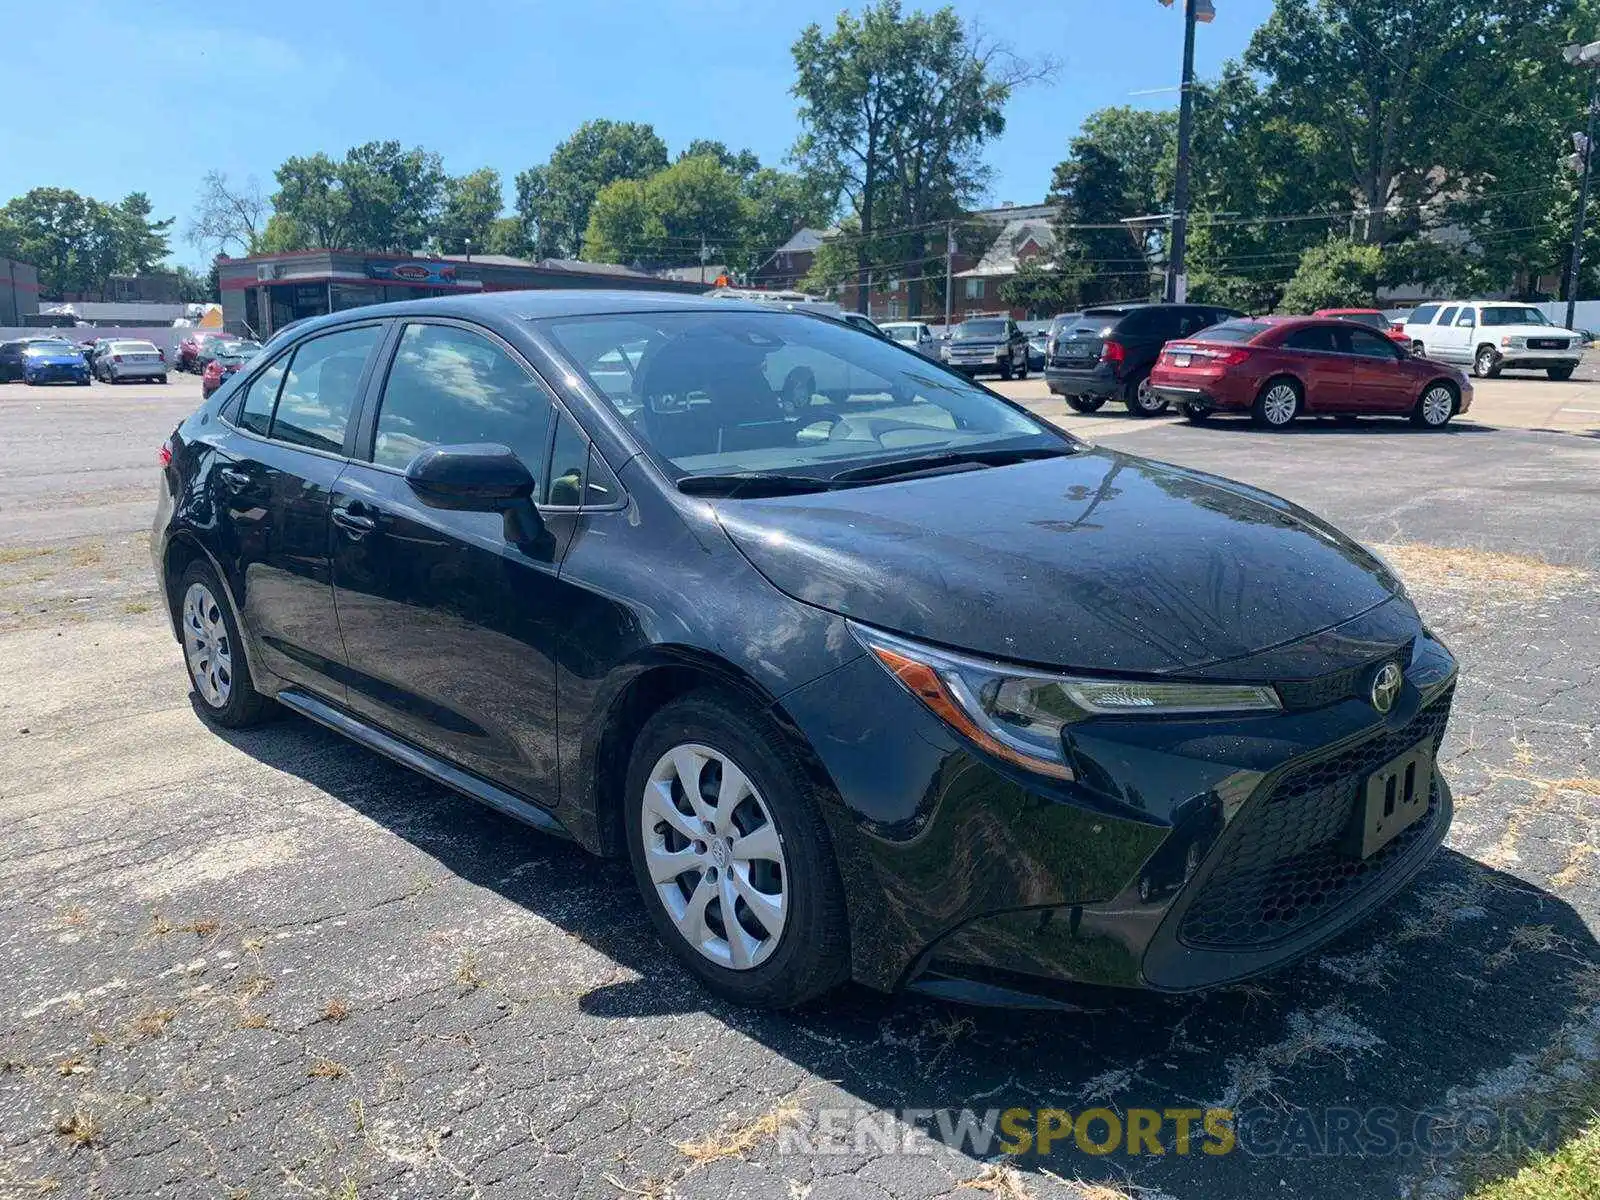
{"x": 352, "y": 522}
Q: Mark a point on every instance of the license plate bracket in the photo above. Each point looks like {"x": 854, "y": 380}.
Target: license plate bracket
{"x": 1394, "y": 798}
{"x": 1180, "y": 360}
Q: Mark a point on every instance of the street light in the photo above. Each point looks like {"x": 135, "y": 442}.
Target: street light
{"x": 1177, "y": 289}
{"x": 1586, "y": 56}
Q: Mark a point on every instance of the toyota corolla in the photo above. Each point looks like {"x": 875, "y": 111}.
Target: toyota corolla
{"x": 868, "y": 672}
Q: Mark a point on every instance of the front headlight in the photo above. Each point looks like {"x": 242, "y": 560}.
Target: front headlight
{"x": 1514, "y": 343}
{"x": 1019, "y": 714}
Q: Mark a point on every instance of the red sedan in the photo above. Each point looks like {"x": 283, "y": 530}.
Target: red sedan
{"x": 1277, "y": 369}
{"x": 190, "y": 347}
{"x": 1372, "y": 318}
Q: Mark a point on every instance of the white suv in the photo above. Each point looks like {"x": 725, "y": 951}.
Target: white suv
{"x": 1493, "y": 335}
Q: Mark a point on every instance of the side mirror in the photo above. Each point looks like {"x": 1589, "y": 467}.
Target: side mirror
{"x": 483, "y": 477}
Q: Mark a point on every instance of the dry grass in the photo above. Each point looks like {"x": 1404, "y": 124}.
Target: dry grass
{"x": 16, "y": 554}
{"x": 326, "y": 1068}
{"x": 468, "y": 977}
{"x": 253, "y": 1020}
{"x": 736, "y": 1141}
{"x": 1002, "y": 1181}
{"x": 80, "y": 1129}
{"x": 150, "y": 1024}
{"x": 72, "y": 1066}
{"x": 75, "y": 917}
{"x": 89, "y": 555}
{"x": 136, "y": 607}
{"x": 1503, "y": 576}
{"x": 336, "y": 1010}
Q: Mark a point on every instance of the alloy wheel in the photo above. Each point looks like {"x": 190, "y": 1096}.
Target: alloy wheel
{"x": 1147, "y": 400}
{"x": 206, "y": 645}
{"x": 715, "y": 856}
{"x": 1484, "y": 365}
{"x": 1438, "y": 405}
{"x": 1279, "y": 404}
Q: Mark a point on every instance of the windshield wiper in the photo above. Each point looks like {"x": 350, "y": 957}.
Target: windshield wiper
{"x": 896, "y": 468}
{"x": 752, "y": 484}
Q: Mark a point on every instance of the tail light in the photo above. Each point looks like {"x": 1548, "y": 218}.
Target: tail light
{"x": 165, "y": 453}
{"x": 1214, "y": 355}
{"x": 116, "y": 358}
{"x": 1397, "y": 327}
{"x": 162, "y": 354}
{"x": 213, "y": 371}
{"x": 1113, "y": 352}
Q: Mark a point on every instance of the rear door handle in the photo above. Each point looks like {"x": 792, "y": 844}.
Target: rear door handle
{"x": 235, "y": 479}
{"x": 352, "y": 522}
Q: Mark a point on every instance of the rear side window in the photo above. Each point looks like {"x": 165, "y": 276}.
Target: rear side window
{"x": 1423, "y": 314}
{"x": 320, "y": 390}
{"x": 1369, "y": 345}
{"x": 1147, "y": 322}
{"x": 450, "y": 386}
{"x": 1467, "y": 317}
{"x": 1448, "y": 315}
{"x": 1192, "y": 321}
{"x": 1317, "y": 337}
{"x": 260, "y": 398}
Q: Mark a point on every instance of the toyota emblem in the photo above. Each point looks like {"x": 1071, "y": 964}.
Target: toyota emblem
{"x": 1386, "y": 687}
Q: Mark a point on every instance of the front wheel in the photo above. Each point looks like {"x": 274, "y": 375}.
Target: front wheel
{"x": 1005, "y": 369}
{"x": 1559, "y": 374}
{"x": 1486, "y": 363}
{"x": 1085, "y": 404}
{"x": 1022, "y": 371}
{"x": 1277, "y": 405}
{"x": 1435, "y": 408}
{"x": 1196, "y": 414}
{"x": 731, "y": 853}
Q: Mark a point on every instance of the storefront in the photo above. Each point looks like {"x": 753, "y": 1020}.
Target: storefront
{"x": 266, "y": 292}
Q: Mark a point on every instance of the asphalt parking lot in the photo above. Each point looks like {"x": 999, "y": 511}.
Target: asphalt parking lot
{"x": 272, "y": 964}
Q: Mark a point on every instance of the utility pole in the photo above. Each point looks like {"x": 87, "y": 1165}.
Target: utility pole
{"x": 1588, "y": 57}
{"x": 1177, "y": 281}
{"x": 949, "y": 261}
{"x": 702, "y": 259}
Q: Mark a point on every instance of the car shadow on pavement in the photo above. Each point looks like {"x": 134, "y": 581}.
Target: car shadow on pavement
{"x": 1368, "y": 1069}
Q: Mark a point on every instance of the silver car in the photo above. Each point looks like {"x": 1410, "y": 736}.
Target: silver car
{"x": 129, "y": 359}
{"x": 913, "y": 335}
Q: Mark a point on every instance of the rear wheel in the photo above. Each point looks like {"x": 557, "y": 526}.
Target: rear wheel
{"x": 1085, "y": 404}
{"x": 1435, "y": 407}
{"x": 1486, "y": 362}
{"x": 214, "y": 651}
{"x": 1559, "y": 374}
{"x": 1418, "y": 350}
{"x": 1278, "y": 404}
{"x": 1195, "y": 414}
{"x": 1143, "y": 400}
{"x": 731, "y": 853}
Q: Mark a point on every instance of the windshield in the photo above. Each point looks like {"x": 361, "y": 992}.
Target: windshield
{"x": 1374, "y": 319}
{"x": 722, "y": 392}
{"x": 901, "y": 333}
{"x": 1513, "y": 314}
{"x": 1233, "y": 331}
{"x": 51, "y": 348}
{"x": 979, "y": 329}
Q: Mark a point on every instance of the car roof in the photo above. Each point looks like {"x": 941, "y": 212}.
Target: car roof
{"x": 1339, "y": 312}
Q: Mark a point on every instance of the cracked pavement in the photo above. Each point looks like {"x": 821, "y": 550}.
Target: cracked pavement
{"x": 273, "y": 964}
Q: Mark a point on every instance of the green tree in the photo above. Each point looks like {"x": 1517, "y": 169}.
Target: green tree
{"x": 622, "y": 226}
{"x": 144, "y": 242}
{"x": 393, "y": 193}
{"x": 228, "y": 217}
{"x": 1097, "y": 256}
{"x": 195, "y": 288}
{"x": 776, "y": 204}
{"x": 505, "y": 237}
{"x": 743, "y": 164}
{"x": 890, "y": 101}
{"x": 1340, "y": 273}
{"x": 553, "y": 198}
{"x": 311, "y": 206}
{"x": 472, "y": 205}
{"x": 77, "y": 242}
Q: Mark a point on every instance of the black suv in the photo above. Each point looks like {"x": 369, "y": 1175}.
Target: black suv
{"x": 988, "y": 344}
{"x": 1108, "y": 352}
{"x": 816, "y": 633}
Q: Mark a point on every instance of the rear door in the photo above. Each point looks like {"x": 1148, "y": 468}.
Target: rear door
{"x": 272, "y": 483}
{"x": 450, "y": 628}
{"x": 1324, "y": 370}
{"x": 1378, "y": 384}
{"x": 1438, "y": 338}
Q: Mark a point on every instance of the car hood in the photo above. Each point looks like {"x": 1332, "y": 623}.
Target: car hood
{"x": 1537, "y": 331}
{"x": 1098, "y": 561}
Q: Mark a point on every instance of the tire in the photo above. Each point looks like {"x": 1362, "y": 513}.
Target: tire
{"x": 1435, "y": 406}
{"x": 225, "y": 697}
{"x": 1085, "y": 404}
{"x": 810, "y": 953}
{"x": 1005, "y": 369}
{"x": 1559, "y": 374}
{"x": 1141, "y": 400}
{"x": 1278, "y": 404}
{"x": 1486, "y": 363}
{"x": 1022, "y": 372}
{"x": 1196, "y": 415}
{"x": 1418, "y": 350}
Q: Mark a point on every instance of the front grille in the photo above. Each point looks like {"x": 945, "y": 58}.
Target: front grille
{"x": 1547, "y": 343}
{"x": 1281, "y": 866}
{"x": 1339, "y": 685}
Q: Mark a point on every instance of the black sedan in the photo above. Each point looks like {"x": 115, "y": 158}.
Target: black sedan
{"x": 868, "y": 672}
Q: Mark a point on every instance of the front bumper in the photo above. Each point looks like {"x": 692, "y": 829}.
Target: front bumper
{"x": 974, "y": 361}
{"x": 1188, "y": 853}
{"x": 57, "y": 373}
{"x": 1514, "y": 357}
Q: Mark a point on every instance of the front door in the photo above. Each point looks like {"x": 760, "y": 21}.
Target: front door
{"x": 1441, "y": 339}
{"x": 449, "y": 627}
{"x": 273, "y": 483}
{"x": 1377, "y": 383}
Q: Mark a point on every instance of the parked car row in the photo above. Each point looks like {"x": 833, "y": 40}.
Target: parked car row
{"x": 56, "y": 359}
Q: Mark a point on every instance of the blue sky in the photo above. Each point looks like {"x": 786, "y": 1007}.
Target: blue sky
{"x": 149, "y": 95}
